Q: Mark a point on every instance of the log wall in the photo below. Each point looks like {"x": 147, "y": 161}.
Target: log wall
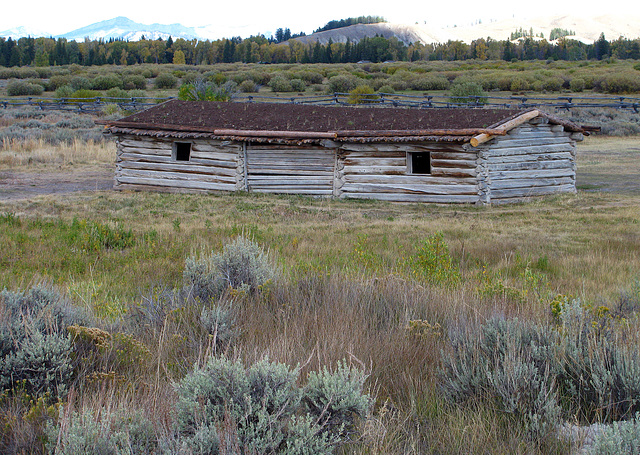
{"x": 380, "y": 171}
{"x": 534, "y": 159}
{"x": 288, "y": 169}
{"x": 146, "y": 162}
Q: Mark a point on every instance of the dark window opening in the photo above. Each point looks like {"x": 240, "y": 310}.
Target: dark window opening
{"x": 420, "y": 163}
{"x": 182, "y": 151}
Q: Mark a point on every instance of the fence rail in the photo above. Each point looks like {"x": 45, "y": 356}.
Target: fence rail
{"x": 93, "y": 105}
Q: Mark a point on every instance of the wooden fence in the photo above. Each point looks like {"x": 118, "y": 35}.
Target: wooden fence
{"x": 93, "y": 105}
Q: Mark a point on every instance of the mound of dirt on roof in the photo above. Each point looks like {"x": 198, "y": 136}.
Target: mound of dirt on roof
{"x": 307, "y": 118}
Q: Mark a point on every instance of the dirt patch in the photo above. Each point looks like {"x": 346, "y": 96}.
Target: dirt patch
{"x": 17, "y": 184}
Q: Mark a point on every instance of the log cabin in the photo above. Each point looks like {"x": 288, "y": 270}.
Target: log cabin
{"x": 437, "y": 155}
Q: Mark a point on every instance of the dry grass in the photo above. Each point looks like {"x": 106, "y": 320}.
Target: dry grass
{"x": 343, "y": 292}
{"x": 19, "y": 153}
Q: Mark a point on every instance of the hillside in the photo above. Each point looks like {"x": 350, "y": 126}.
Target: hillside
{"x": 587, "y": 30}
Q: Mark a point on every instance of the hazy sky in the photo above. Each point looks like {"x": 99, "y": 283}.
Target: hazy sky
{"x": 249, "y": 17}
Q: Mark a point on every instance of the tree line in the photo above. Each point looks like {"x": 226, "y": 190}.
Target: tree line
{"x": 42, "y": 51}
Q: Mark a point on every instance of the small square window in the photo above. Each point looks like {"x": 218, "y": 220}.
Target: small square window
{"x": 181, "y": 151}
{"x": 419, "y": 162}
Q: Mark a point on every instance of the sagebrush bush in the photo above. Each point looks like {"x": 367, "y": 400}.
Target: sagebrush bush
{"x": 468, "y": 92}
{"x": 617, "y": 438}
{"x": 242, "y": 265}
{"x": 336, "y": 399}
{"x": 342, "y": 83}
{"x": 280, "y": 83}
{"x": 35, "y": 349}
{"x": 107, "y": 432}
{"x": 260, "y": 409}
{"x": 509, "y": 364}
{"x": 165, "y": 81}
{"x": 24, "y": 88}
{"x": 207, "y": 91}
{"x": 107, "y": 81}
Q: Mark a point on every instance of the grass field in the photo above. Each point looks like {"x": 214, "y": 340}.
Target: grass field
{"x": 382, "y": 284}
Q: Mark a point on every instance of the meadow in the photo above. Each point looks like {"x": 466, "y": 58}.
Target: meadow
{"x": 387, "y": 288}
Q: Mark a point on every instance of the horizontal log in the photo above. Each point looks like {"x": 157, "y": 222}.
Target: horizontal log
{"x": 453, "y": 163}
{"x": 412, "y": 189}
{"x": 534, "y": 174}
{"x": 299, "y": 172}
{"x": 178, "y": 167}
{"x": 424, "y": 198}
{"x": 453, "y": 172}
{"x": 409, "y": 179}
{"x": 531, "y": 165}
{"x": 138, "y": 157}
{"x": 532, "y": 191}
{"x": 293, "y": 190}
{"x": 374, "y": 154}
{"x": 375, "y": 170}
{"x": 531, "y": 157}
{"x": 421, "y": 132}
{"x": 506, "y": 142}
{"x": 529, "y": 150}
{"x": 177, "y": 176}
{"x": 530, "y": 183}
{"x": 454, "y": 156}
{"x": 256, "y": 181}
{"x": 402, "y": 161}
{"x": 195, "y": 185}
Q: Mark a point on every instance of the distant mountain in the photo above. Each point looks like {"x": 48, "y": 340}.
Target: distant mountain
{"x": 586, "y": 29}
{"x": 18, "y": 32}
{"x": 126, "y": 29}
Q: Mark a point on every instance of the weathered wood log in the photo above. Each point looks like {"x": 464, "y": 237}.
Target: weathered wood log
{"x": 530, "y": 183}
{"x": 177, "y": 176}
{"x": 179, "y": 167}
{"x": 531, "y": 191}
{"x": 409, "y": 179}
{"x": 530, "y": 165}
{"x": 425, "y": 198}
{"x": 484, "y": 137}
{"x": 188, "y": 184}
{"x": 533, "y": 174}
{"x": 410, "y": 189}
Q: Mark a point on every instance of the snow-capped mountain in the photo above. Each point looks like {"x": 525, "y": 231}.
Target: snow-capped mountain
{"x": 126, "y": 29}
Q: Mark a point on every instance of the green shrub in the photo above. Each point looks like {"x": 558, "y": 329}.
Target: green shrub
{"x": 386, "y": 89}
{"x": 135, "y": 81}
{"x": 80, "y": 83}
{"x": 66, "y": 91}
{"x": 207, "y": 91}
{"x": 107, "y": 81}
{"x": 577, "y": 84}
{"x": 298, "y": 85}
{"x": 508, "y": 364}
{"x": 23, "y": 88}
{"x": 342, "y": 83}
{"x": 248, "y": 86}
{"x": 165, "y": 81}
{"x": 242, "y": 265}
{"x": 362, "y": 94}
{"x": 116, "y": 93}
{"x": 427, "y": 82}
{"x": 258, "y": 401}
{"x": 280, "y": 83}
{"x": 467, "y": 92}
{"x": 35, "y": 350}
{"x": 336, "y": 400}
{"x": 617, "y": 438}
{"x": 56, "y": 82}
{"x": 263, "y": 406}
{"x": 107, "y": 432}
{"x": 432, "y": 262}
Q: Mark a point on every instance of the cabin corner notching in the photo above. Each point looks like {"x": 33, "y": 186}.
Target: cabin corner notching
{"x": 404, "y": 155}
